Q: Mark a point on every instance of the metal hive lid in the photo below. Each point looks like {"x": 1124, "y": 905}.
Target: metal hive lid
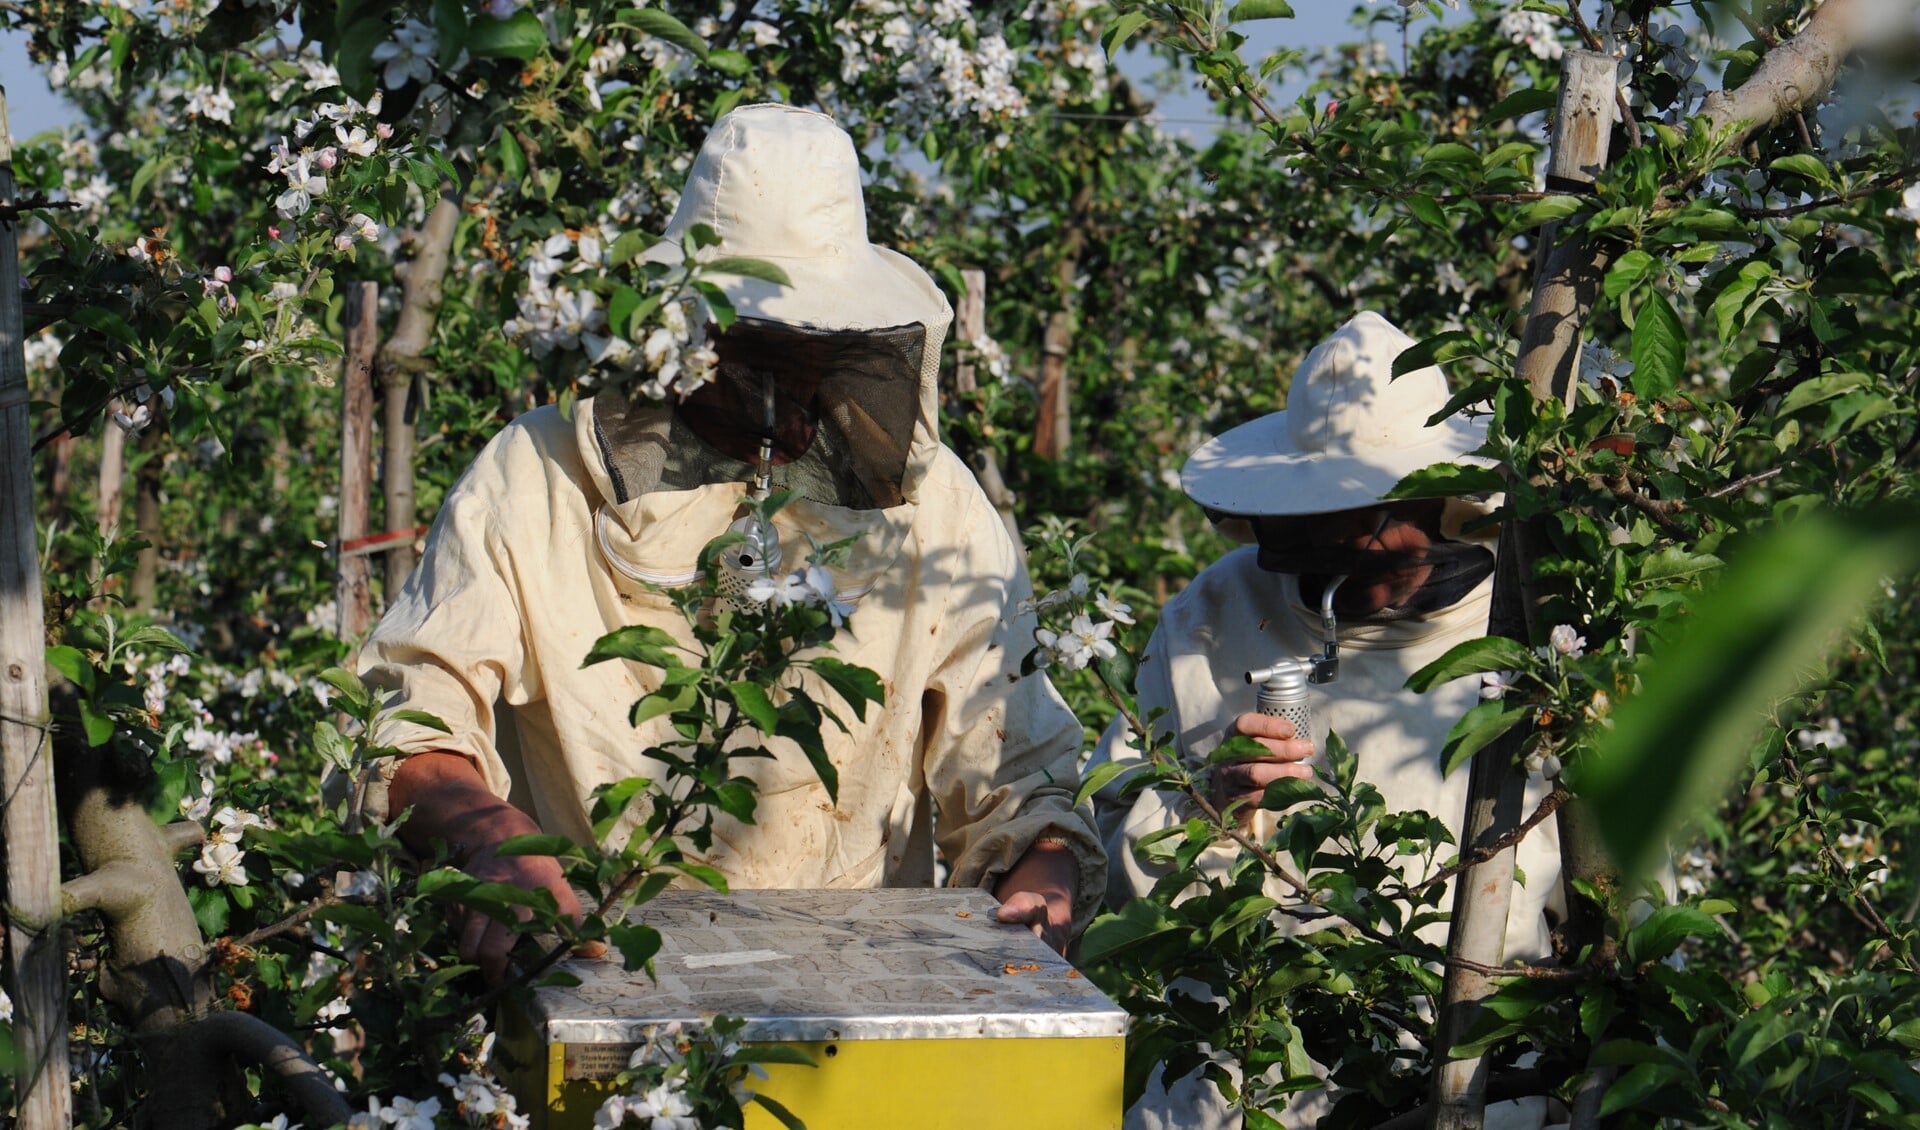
{"x": 831, "y": 965}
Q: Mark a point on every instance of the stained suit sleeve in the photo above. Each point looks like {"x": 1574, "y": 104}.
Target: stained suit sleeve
{"x": 1000, "y": 750}
{"x": 453, "y": 642}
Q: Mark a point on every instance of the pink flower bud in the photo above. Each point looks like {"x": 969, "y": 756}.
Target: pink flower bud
{"x": 384, "y": 130}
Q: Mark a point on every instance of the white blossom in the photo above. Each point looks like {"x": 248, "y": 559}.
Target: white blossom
{"x": 220, "y": 862}
{"x": 1567, "y": 642}
{"x": 1534, "y": 31}
{"x": 215, "y": 105}
{"x": 1113, "y": 609}
{"x": 409, "y": 55}
{"x": 1078, "y": 646}
{"x": 406, "y": 1114}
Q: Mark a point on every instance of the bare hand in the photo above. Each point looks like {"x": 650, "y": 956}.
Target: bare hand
{"x": 487, "y": 941}
{"x": 1038, "y": 891}
{"x": 1247, "y": 781}
{"x": 449, "y": 804}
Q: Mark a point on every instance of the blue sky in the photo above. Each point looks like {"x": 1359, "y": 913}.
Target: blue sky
{"x": 32, "y": 107}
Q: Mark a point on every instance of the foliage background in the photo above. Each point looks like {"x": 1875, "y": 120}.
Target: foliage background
{"x": 1174, "y": 281}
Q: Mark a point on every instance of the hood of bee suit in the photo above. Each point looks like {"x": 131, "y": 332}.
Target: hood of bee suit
{"x": 782, "y": 184}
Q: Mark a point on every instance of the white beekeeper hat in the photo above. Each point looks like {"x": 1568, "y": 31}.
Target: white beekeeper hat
{"x": 783, "y": 184}
{"x": 1349, "y": 433}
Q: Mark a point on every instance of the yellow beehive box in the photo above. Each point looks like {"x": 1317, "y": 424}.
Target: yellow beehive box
{"x": 920, "y": 1011}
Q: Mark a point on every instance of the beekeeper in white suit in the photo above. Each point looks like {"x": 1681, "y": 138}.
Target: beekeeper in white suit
{"x": 1307, "y": 486}
{"x": 565, "y": 529}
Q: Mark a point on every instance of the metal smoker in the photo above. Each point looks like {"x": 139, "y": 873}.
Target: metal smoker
{"x": 1283, "y": 685}
{"x": 758, "y": 557}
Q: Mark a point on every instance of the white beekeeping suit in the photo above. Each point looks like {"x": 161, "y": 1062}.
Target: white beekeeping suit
{"x": 1350, "y": 432}
{"x": 565, "y": 529}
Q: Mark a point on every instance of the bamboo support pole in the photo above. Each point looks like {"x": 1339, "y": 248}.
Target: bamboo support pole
{"x": 354, "y": 593}
{"x": 1564, "y": 287}
{"x": 36, "y": 959}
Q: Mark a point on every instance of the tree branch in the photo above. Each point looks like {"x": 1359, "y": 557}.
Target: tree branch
{"x": 252, "y": 1040}
{"x": 1791, "y": 77}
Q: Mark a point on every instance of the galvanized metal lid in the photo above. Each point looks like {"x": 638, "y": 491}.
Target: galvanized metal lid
{"x": 897, "y": 964}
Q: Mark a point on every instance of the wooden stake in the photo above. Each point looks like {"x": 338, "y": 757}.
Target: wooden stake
{"x": 1564, "y": 287}
{"x": 36, "y": 959}
{"x": 970, "y": 322}
{"x": 356, "y": 457}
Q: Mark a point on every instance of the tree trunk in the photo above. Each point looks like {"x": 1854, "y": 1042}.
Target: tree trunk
{"x": 113, "y": 471}
{"x": 1496, "y": 790}
{"x": 1053, "y": 431}
{"x": 36, "y": 959}
{"x": 356, "y": 459}
{"x": 971, "y": 323}
{"x": 159, "y": 977}
{"x": 401, "y": 365}
{"x": 147, "y": 478}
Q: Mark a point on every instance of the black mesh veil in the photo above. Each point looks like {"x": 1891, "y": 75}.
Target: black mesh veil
{"x": 841, "y": 406}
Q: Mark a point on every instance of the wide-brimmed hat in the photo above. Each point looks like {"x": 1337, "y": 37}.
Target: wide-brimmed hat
{"x": 783, "y": 184}
{"x": 1349, "y": 433}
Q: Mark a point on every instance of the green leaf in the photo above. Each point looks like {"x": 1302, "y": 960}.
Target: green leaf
{"x": 450, "y": 25}
{"x": 729, "y": 62}
{"x": 1476, "y": 730}
{"x": 641, "y": 643}
{"x": 1138, "y": 922}
{"x": 1637, "y": 1086}
{"x": 1121, "y": 30}
{"x": 670, "y": 699}
{"x": 419, "y": 718}
{"x": 1731, "y": 305}
{"x": 780, "y": 1113}
{"x": 751, "y": 268}
{"x": 857, "y": 685}
{"x": 210, "y": 909}
{"x": 1450, "y": 153}
{"x": 660, "y": 25}
{"x": 1449, "y": 480}
{"x": 1427, "y": 211}
{"x": 637, "y": 944}
{"x": 1249, "y": 10}
{"x": 102, "y": 320}
{"x": 73, "y": 663}
{"x": 1674, "y": 563}
{"x": 1628, "y": 272}
{"x": 1820, "y": 389}
{"x": 513, "y": 159}
{"x": 350, "y": 688}
{"x": 704, "y": 874}
{"x": 752, "y": 700}
{"x": 538, "y": 844}
{"x": 1533, "y": 100}
{"x": 519, "y": 36}
{"x": 1756, "y": 635}
{"x": 1286, "y": 792}
{"x": 97, "y": 724}
{"x": 1097, "y": 777}
{"x": 354, "y": 57}
{"x": 1662, "y": 932}
{"x": 1473, "y": 657}
{"x": 1546, "y": 211}
{"x": 143, "y": 176}
{"x": 737, "y": 798}
{"x": 1659, "y": 348}
{"x": 1803, "y": 165}
{"x": 1435, "y": 350}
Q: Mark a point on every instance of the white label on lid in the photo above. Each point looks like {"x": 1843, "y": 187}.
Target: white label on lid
{"x": 744, "y": 957}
